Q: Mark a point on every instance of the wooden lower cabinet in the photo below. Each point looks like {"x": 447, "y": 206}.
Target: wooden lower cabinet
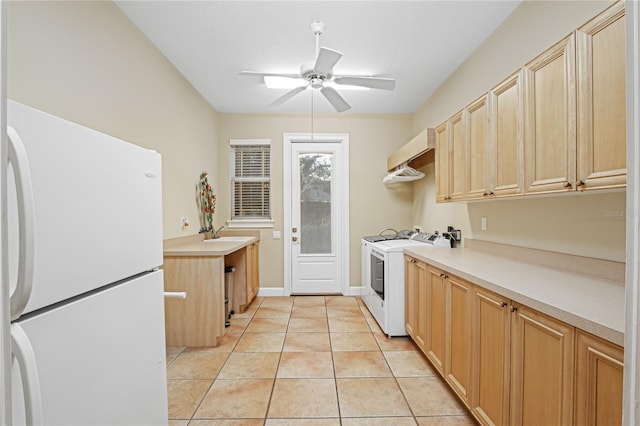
{"x": 197, "y": 320}
{"x": 253, "y": 272}
{"x": 416, "y": 296}
{"x": 510, "y": 364}
{"x": 491, "y": 340}
{"x": 457, "y": 366}
{"x": 436, "y": 317}
{"x": 542, "y": 365}
{"x": 599, "y": 370}
{"x": 246, "y": 279}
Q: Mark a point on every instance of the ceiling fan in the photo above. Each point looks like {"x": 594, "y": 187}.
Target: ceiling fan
{"x": 321, "y": 71}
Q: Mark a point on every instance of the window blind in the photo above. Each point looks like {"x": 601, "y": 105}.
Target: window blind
{"x": 250, "y": 179}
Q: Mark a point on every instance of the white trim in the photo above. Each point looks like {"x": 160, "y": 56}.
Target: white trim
{"x": 249, "y": 141}
{"x": 270, "y": 292}
{"x": 343, "y": 140}
{"x": 249, "y": 223}
{"x": 631, "y": 389}
{"x": 356, "y": 291}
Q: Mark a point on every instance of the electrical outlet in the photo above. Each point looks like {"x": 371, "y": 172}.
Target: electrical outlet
{"x": 184, "y": 223}
{"x": 484, "y": 223}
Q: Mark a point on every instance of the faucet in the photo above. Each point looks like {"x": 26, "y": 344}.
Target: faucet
{"x": 215, "y": 232}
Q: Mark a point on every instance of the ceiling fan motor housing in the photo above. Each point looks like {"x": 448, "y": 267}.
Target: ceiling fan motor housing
{"x": 311, "y": 75}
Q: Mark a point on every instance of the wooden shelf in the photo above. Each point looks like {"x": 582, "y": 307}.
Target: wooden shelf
{"x": 423, "y": 143}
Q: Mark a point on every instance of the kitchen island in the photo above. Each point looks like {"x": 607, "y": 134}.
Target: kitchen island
{"x": 196, "y": 267}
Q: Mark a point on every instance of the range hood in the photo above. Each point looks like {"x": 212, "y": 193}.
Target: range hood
{"x": 417, "y": 152}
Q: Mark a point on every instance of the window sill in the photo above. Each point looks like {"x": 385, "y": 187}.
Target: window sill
{"x": 249, "y": 223}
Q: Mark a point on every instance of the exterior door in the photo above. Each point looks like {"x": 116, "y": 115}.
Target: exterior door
{"x": 317, "y": 237}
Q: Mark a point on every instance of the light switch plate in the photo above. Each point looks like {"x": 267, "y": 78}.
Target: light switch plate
{"x": 276, "y": 235}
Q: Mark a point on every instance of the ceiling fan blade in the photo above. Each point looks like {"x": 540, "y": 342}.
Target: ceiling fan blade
{"x": 326, "y": 60}
{"x": 290, "y": 94}
{"x": 335, "y": 99}
{"x": 371, "y": 82}
{"x": 269, "y": 74}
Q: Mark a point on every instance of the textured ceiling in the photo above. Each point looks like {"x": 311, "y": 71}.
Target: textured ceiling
{"x": 419, "y": 43}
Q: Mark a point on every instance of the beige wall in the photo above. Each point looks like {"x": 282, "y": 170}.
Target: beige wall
{"x": 86, "y": 62}
{"x": 587, "y": 225}
{"x": 372, "y": 205}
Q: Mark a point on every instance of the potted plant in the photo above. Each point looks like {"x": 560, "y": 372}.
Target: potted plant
{"x": 207, "y": 205}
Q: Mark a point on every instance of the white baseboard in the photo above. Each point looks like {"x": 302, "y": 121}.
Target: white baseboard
{"x": 356, "y": 291}
{"x": 279, "y": 291}
{"x": 270, "y": 291}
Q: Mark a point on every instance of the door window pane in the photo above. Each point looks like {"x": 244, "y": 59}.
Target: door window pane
{"x": 315, "y": 203}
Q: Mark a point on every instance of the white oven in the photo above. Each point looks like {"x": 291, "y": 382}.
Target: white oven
{"x": 383, "y": 278}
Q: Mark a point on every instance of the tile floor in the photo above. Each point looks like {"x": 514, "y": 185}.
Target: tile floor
{"x": 307, "y": 360}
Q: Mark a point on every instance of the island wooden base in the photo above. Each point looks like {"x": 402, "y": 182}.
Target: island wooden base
{"x": 199, "y": 319}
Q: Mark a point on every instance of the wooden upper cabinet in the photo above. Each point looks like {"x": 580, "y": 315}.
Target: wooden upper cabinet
{"x": 477, "y": 165}
{"x": 599, "y": 372}
{"x": 457, "y": 156}
{"x": 442, "y": 162}
{"x": 542, "y": 369}
{"x": 550, "y": 123}
{"x": 506, "y": 152}
{"x": 601, "y": 105}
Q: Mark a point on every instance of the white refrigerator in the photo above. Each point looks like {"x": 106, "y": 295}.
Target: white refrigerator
{"x": 84, "y": 213}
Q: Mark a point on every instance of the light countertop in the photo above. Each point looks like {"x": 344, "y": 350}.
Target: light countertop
{"x": 195, "y": 245}
{"x": 592, "y": 304}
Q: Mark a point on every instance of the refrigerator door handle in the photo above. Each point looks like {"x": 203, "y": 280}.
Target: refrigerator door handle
{"x": 22, "y": 351}
{"x": 18, "y": 159}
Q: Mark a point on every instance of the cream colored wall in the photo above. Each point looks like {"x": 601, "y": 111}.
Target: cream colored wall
{"x": 587, "y": 225}
{"x": 86, "y": 62}
{"x": 372, "y": 205}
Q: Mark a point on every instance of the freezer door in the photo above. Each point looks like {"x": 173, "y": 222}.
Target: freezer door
{"x": 97, "y": 207}
{"x": 100, "y": 360}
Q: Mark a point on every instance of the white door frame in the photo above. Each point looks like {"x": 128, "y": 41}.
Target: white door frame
{"x": 343, "y": 140}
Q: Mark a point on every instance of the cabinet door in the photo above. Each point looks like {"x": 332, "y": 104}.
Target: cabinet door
{"x": 253, "y": 280}
{"x": 410, "y": 296}
{"x": 599, "y": 370}
{"x": 436, "y": 317}
{"x": 601, "y": 101}
{"x": 506, "y": 157}
{"x": 442, "y": 162}
{"x": 457, "y": 156}
{"x": 491, "y": 355}
{"x": 541, "y": 369}
{"x": 459, "y": 312}
{"x": 477, "y": 171}
{"x": 550, "y": 120}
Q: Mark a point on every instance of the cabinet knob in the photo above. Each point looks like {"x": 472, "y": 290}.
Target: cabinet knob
{"x": 567, "y": 184}
{"x": 441, "y": 275}
{"x": 503, "y": 304}
{"x": 486, "y": 194}
{"x": 294, "y": 239}
{"x": 580, "y": 183}
{"x": 490, "y": 192}
{"x": 514, "y": 308}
